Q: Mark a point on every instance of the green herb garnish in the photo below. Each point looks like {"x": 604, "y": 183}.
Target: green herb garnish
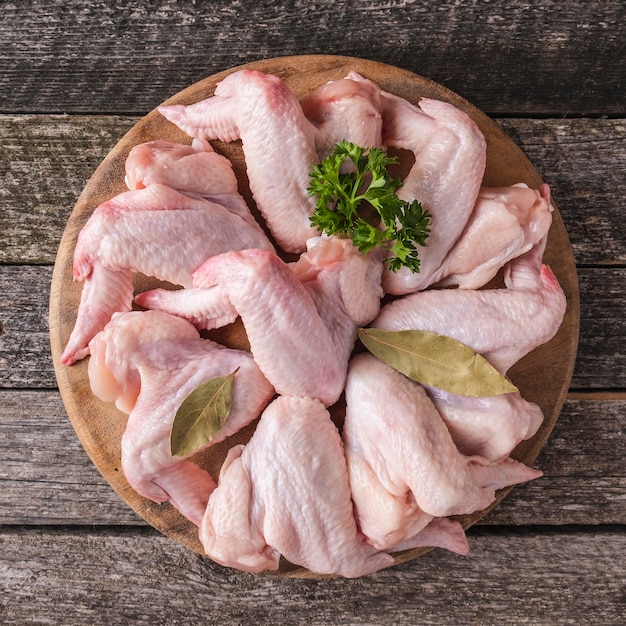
{"x": 201, "y": 415}
{"x": 362, "y": 204}
{"x": 436, "y": 360}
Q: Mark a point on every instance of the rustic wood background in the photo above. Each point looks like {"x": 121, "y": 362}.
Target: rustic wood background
{"x": 75, "y": 76}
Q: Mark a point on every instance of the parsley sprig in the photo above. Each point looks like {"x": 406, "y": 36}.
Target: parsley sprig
{"x": 362, "y": 204}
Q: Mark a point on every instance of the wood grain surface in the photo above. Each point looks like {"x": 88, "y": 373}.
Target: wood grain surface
{"x": 543, "y": 376}
{"x": 186, "y": 589}
{"x": 508, "y": 58}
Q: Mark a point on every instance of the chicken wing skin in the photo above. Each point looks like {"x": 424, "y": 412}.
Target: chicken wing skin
{"x": 193, "y": 169}
{"x": 506, "y": 222}
{"x": 301, "y": 320}
{"x": 450, "y": 158}
{"x": 147, "y": 363}
{"x": 396, "y": 441}
{"x": 157, "y": 231}
{"x": 490, "y": 426}
{"x": 345, "y": 109}
{"x": 502, "y": 325}
{"x": 287, "y": 493}
{"x": 278, "y": 143}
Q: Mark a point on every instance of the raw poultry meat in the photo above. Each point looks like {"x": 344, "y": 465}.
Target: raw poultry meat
{"x": 441, "y": 532}
{"x": 502, "y": 325}
{"x": 105, "y": 292}
{"x": 344, "y": 284}
{"x": 450, "y": 157}
{"x": 411, "y": 455}
{"x": 278, "y": 143}
{"x": 286, "y": 493}
{"x": 147, "y": 363}
{"x": 396, "y": 442}
{"x": 345, "y": 109}
{"x": 162, "y": 233}
{"x": 196, "y": 169}
{"x": 301, "y": 322}
{"x": 157, "y": 231}
{"x": 490, "y": 426}
{"x": 505, "y": 223}
{"x": 393, "y": 521}
{"x": 287, "y": 337}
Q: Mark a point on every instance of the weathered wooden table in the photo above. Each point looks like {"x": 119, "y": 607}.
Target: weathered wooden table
{"x": 76, "y": 76}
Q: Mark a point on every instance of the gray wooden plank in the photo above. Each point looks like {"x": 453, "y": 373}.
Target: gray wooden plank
{"x": 47, "y": 478}
{"x": 25, "y": 359}
{"x": 601, "y": 347}
{"x": 510, "y": 577}
{"x": 584, "y": 161}
{"x": 584, "y": 469}
{"x": 45, "y": 161}
{"x": 508, "y": 58}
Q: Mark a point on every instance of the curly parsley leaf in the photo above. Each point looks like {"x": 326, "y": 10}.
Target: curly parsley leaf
{"x": 360, "y": 201}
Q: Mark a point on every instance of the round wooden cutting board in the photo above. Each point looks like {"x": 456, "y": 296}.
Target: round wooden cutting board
{"x": 542, "y": 377}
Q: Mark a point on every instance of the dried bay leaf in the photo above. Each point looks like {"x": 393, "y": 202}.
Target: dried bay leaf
{"x": 436, "y": 360}
{"x": 201, "y": 415}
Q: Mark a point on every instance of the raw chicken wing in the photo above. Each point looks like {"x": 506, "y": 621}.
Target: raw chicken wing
{"x": 395, "y": 440}
{"x": 301, "y": 322}
{"x": 157, "y": 231}
{"x": 344, "y": 284}
{"x": 506, "y": 222}
{"x": 278, "y": 143}
{"x": 502, "y": 325}
{"x": 450, "y": 157}
{"x": 490, "y": 426}
{"x": 147, "y": 363}
{"x": 442, "y": 532}
{"x": 345, "y": 109}
{"x": 195, "y": 169}
{"x": 287, "y": 493}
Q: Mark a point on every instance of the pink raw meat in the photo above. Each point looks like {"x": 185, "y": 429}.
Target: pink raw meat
{"x": 502, "y": 325}
{"x": 489, "y": 426}
{"x": 301, "y": 320}
{"x": 278, "y": 144}
{"x": 147, "y": 363}
{"x": 450, "y": 157}
{"x": 403, "y": 447}
{"x": 345, "y": 109}
{"x": 157, "y": 231}
{"x": 506, "y": 222}
{"x": 195, "y": 169}
{"x": 287, "y": 493}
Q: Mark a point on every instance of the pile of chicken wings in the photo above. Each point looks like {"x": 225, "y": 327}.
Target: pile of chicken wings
{"x": 408, "y": 457}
